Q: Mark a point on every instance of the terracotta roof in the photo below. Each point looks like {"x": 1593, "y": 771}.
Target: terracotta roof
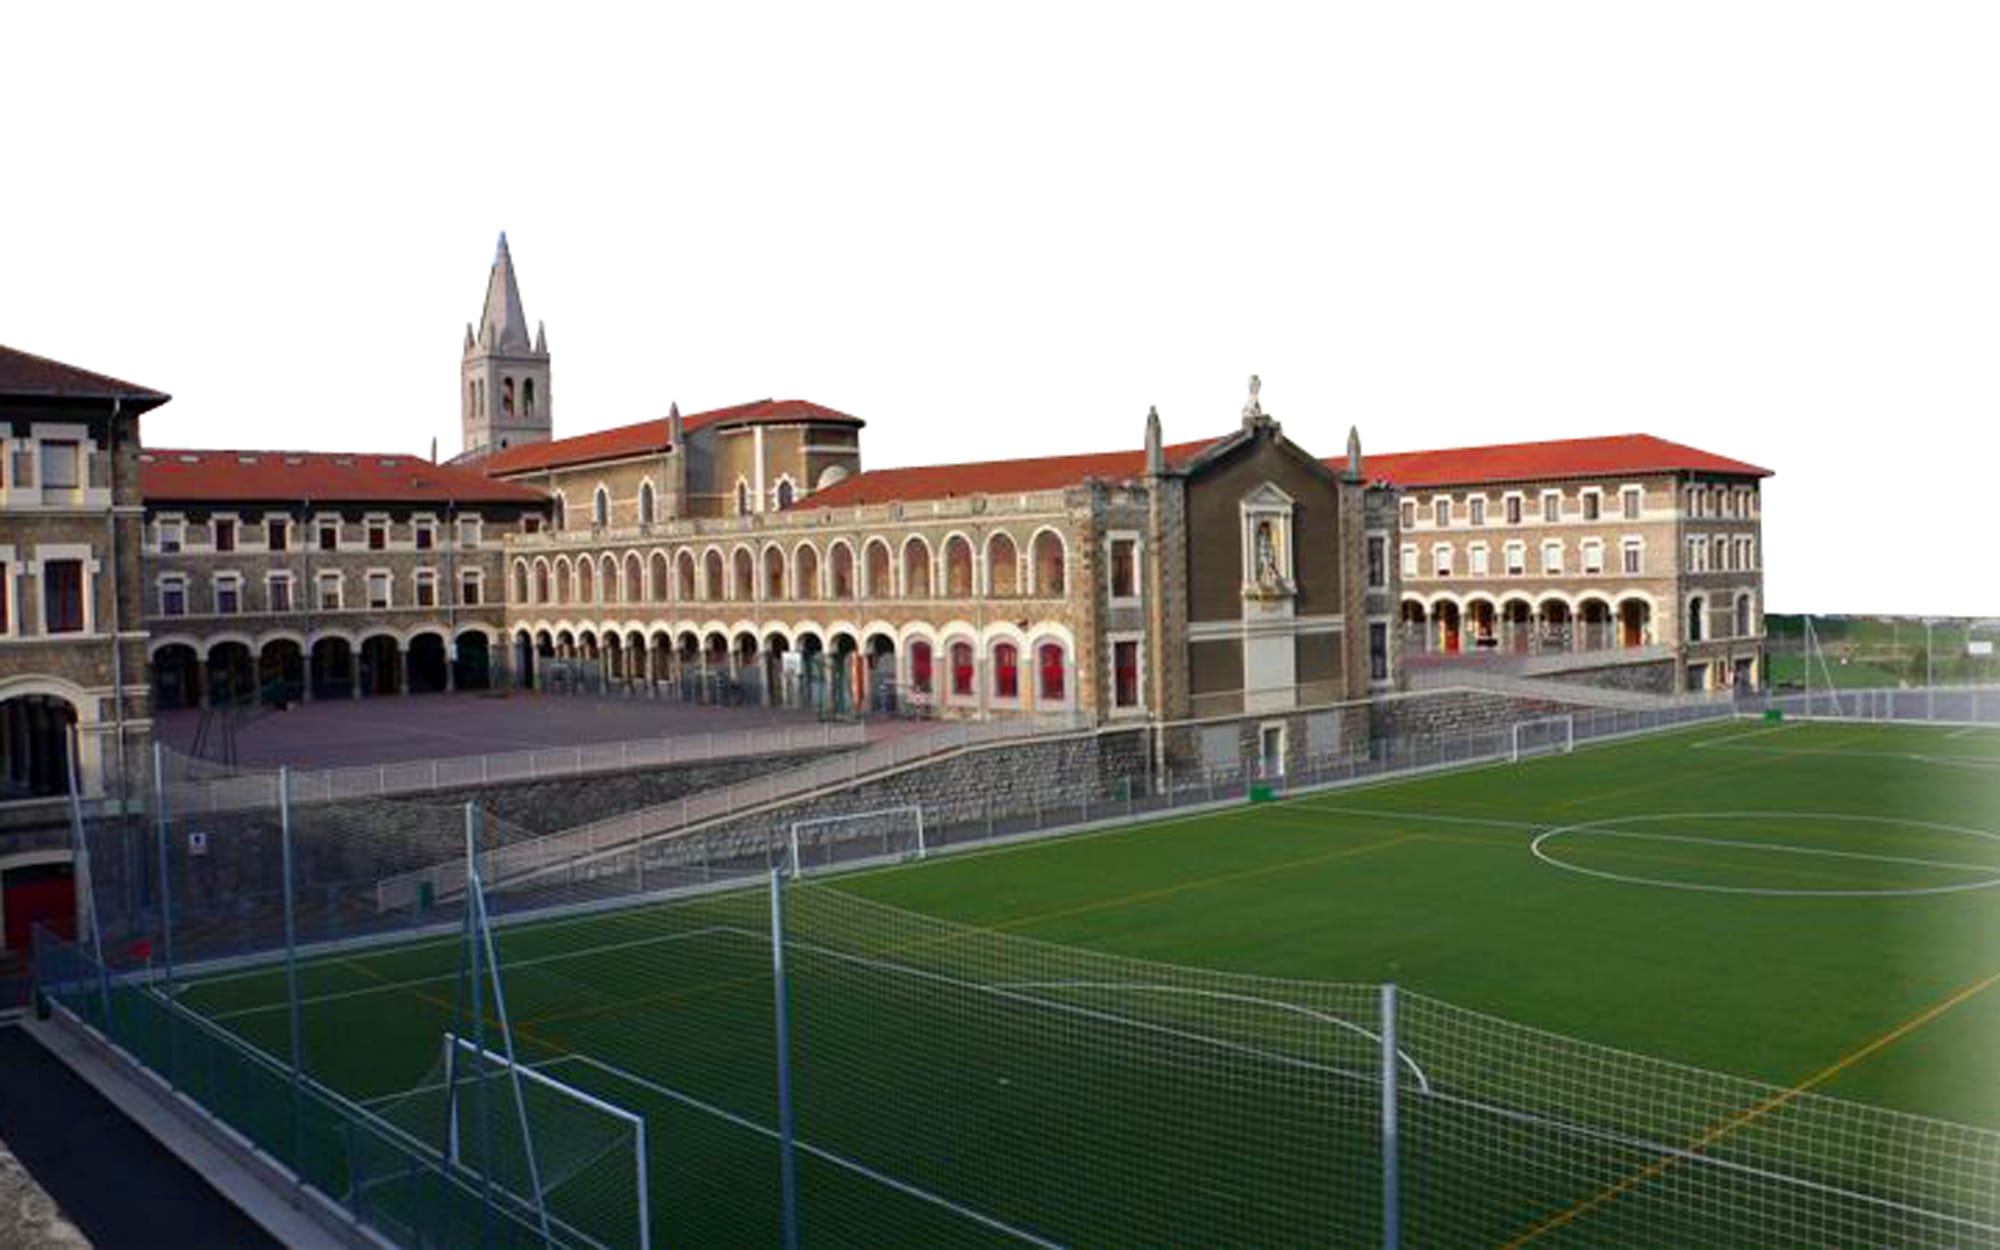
{"x": 647, "y": 437}
{"x": 990, "y": 477}
{"x": 25, "y": 374}
{"x": 216, "y": 476}
{"x": 1562, "y": 458}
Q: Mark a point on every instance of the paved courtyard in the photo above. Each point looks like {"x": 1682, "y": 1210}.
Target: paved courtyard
{"x": 384, "y": 730}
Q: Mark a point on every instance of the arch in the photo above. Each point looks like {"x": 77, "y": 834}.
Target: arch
{"x": 961, "y": 668}
{"x": 332, "y": 669}
{"x": 1450, "y": 631}
{"x": 586, "y": 580}
{"x": 1415, "y": 619}
{"x": 232, "y": 671}
{"x": 805, "y": 571}
{"x": 743, "y": 575}
{"x": 712, "y": 584}
{"x": 559, "y": 512}
{"x": 281, "y": 670}
{"x": 1051, "y": 658}
{"x": 608, "y": 589}
{"x": 1517, "y": 628}
{"x": 916, "y": 567}
{"x": 658, "y": 579}
{"x": 519, "y": 584}
{"x": 633, "y": 588}
{"x": 176, "y": 675}
{"x": 784, "y": 494}
{"x": 1635, "y": 622}
{"x": 878, "y": 572}
{"x": 648, "y": 500}
{"x": 958, "y": 566}
{"x": 686, "y": 583}
{"x": 1697, "y": 623}
{"x": 542, "y": 591}
{"x": 600, "y": 507}
{"x": 1003, "y": 566}
{"x": 1049, "y": 556}
{"x": 429, "y": 663}
{"x": 840, "y": 570}
{"x": 920, "y": 666}
{"x": 878, "y": 651}
{"x": 564, "y": 589}
{"x": 1555, "y": 623}
{"x": 1482, "y": 623}
{"x": 1594, "y": 620}
{"x": 507, "y": 396}
{"x": 1744, "y": 614}
{"x": 34, "y": 744}
{"x": 774, "y": 572}
{"x": 742, "y": 497}
{"x": 380, "y": 665}
{"x": 525, "y": 655}
{"x": 527, "y": 397}
{"x": 1005, "y": 663}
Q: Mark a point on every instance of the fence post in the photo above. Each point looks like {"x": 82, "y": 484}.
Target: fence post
{"x": 292, "y": 974}
{"x": 166, "y": 904}
{"x": 1391, "y": 1172}
{"x": 787, "y": 1177}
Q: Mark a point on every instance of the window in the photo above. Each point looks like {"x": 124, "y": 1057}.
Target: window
{"x": 645, "y": 503}
{"x": 1441, "y": 510}
{"x": 378, "y": 590}
{"x": 600, "y": 508}
{"x": 1513, "y": 509}
{"x": 785, "y": 493}
{"x": 1475, "y": 510}
{"x": 1719, "y": 552}
{"x": 60, "y": 461}
{"x": 329, "y": 536}
{"x": 1051, "y": 673}
{"x": 531, "y": 524}
{"x": 228, "y": 594}
{"x": 1006, "y": 671}
{"x": 378, "y": 535}
{"x": 277, "y": 534}
{"x": 961, "y": 668}
{"x": 1476, "y": 560}
{"x": 1593, "y": 504}
{"x": 278, "y": 589}
{"x": 742, "y": 498}
{"x": 1517, "y": 559}
{"x": 424, "y": 533}
{"x": 1632, "y": 499}
{"x": 1697, "y": 619}
{"x": 329, "y": 592}
{"x": 6, "y": 584}
{"x": 920, "y": 666}
{"x": 427, "y": 588}
{"x": 168, "y": 535}
{"x": 470, "y": 584}
{"x": 173, "y": 597}
{"x": 558, "y": 514}
{"x": 1552, "y": 506}
{"x": 1697, "y": 557}
{"x": 468, "y": 533}
{"x": 1378, "y": 651}
{"x": 1441, "y": 560}
{"x": 1409, "y": 561}
{"x": 1593, "y": 555}
{"x": 1552, "y": 557}
{"x": 62, "y": 596}
{"x": 1125, "y": 674}
{"x": 1743, "y": 616}
{"x": 527, "y": 397}
{"x": 225, "y": 533}
{"x": 1409, "y": 511}
{"x": 1378, "y": 561}
{"x": 1634, "y": 556}
{"x": 1124, "y": 568}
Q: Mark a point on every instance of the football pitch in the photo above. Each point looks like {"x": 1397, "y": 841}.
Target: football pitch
{"x": 1165, "y": 1034}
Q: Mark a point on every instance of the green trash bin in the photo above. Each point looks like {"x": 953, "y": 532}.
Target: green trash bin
{"x": 1262, "y": 792}
{"x": 1774, "y": 714}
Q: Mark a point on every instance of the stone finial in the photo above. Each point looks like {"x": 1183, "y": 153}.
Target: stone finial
{"x": 1252, "y": 408}
{"x": 1156, "y": 451}
{"x": 469, "y": 344}
{"x": 674, "y": 426}
{"x": 1353, "y": 453}
{"x": 541, "y": 340}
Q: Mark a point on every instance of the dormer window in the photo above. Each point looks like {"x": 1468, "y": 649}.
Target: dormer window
{"x": 61, "y": 460}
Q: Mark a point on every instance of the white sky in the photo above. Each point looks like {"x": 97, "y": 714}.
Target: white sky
{"x": 1772, "y": 231}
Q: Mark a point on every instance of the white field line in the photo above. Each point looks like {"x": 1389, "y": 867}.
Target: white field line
{"x": 1642, "y": 836}
{"x": 1734, "y": 741}
{"x": 820, "y": 1152}
{"x": 388, "y": 987}
{"x": 1707, "y": 743}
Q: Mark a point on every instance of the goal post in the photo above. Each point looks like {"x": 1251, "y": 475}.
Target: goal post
{"x": 592, "y": 1152}
{"x": 895, "y": 832}
{"x": 1543, "y": 735}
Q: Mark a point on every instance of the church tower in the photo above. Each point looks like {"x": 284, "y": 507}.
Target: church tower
{"x": 504, "y": 379}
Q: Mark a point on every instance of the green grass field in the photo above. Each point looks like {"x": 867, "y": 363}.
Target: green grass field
{"x": 1803, "y": 905}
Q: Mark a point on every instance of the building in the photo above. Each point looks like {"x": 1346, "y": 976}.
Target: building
{"x": 1631, "y": 555}
{"x": 72, "y": 636}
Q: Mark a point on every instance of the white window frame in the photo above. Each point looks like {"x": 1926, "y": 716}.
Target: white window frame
{"x": 164, "y": 526}
{"x": 323, "y": 522}
{"x": 1408, "y": 562}
{"x": 87, "y": 559}
{"x": 1631, "y": 511}
{"x": 387, "y": 580}
{"x": 1632, "y": 545}
{"x": 1478, "y": 561}
{"x": 419, "y": 578}
{"x": 1552, "y": 568}
{"x": 1475, "y": 510}
{"x": 368, "y": 524}
{"x": 1546, "y": 497}
{"x": 1590, "y": 552}
{"x": 1441, "y": 511}
{"x": 1111, "y": 539}
{"x": 1111, "y": 641}
{"x": 323, "y": 579}
{"x": 470, "y": 533}
{"x": 1515, "y": 556}
{"x": 424, "y": 521}
{"x": 1590, "y": 504}
{"x": 473, "y": 577}
{"x": 171, "y": 581}
{"x": 1513, "y": 508}
{"x": 1441, "y": 560}
{"x": 230, "y": 580}
{"x": 272, "y": 581}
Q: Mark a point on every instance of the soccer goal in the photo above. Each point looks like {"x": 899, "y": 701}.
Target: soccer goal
{"x": 550, "y": 1148}
{"x": 1545, "y": 735}
{"x": 883, "y": 833}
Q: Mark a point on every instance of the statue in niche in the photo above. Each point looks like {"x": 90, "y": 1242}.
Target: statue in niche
{"x": 1268, "y": 575}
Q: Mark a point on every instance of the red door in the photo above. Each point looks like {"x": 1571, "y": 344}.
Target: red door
{"x": 41, "y": 894}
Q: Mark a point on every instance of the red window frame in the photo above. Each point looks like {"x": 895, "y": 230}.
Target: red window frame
{"x": 1052, "y": 672}
{"x": 920, "y": 667}
{"x": 1125, "y": 674}
{"x": 961, "y": 668}
{"x": 1006, "y": 671}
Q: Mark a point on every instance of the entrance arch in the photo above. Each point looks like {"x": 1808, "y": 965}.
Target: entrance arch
{"x": 381, "y": 665}
{"x": 176, "y": 677}
{"x": 34, "y": 746}
{"x": 281, "y": 671}
{"x": 430, "y": 667}
{"x": 332, "y": 669}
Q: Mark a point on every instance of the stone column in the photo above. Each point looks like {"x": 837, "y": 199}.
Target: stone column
{"x": 451, "y": 666}
{"x": 403, "y": 671}
{"x": 200, "y": 681}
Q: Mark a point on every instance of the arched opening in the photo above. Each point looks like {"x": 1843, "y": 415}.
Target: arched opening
{"x": 1697, "y": 627}
{"x": 381, "y": 665}
{"x": 881, "y": 653}
{"x": 963, "y": 674}
{"x": 176, "y": 677}
{"x": 559, "y": 513}
{"x": 607, "y": 580}
{"x": 1517, "y": 629}
{"x": 749, "y": 669}
{"x": 812, "y": 675}
{"x": 1003, "y": 571}
{"x": 1416, "y": 637}
{"x": 1635, "y": 623}
{"x": 805, "y": 572}
{"x": 1006, "y": 672}
{"x": 232, "y": 675}
{"x": 34, "y": 746}
{"x": 520, "y": 581}
{"x": 1051, "y": 673}
{"x": 958, "y": 567}
{"x": 633, "y": 589}
{"x": 742, "y": 498}
{"x": 541, "y": 581}
{"x": 686, "y": 590}
{"x": 506, "y": 397}
{"x": 528, "y": 397}
{"x": 429, "y": 664}
{"x": 711, "y": 574}
{"x": 646, "y": 501}
{"x": 1482, "y": 623}
{"x": 1049, "y": 558}
{"x": 600, "y": 507}
{"x": 524, "y": 660}
{"x": 1555, "y": 626}
{"x": 659, "y": 580}
{"x": 743, "y": 585}
{"x": 1450, "y": 637}
{"x": 923, "y": 681}
{"x": 586, "y": 580}
{"x": 564, "y": 590}
{"x": 916, "y": 568}
{"x": 281, "y": 672}
{"x": 843, "y": 571}
{"x": 774, "y": 573}
{"x": 844, "y": 681}
{"x": 779, "y": 678}
{"x": 1743, "y": 616}
{"x": 785, "y": 493}
{"x": 613, "y": 655}
{"x": 332, "y": 669}
{"x": 1594, "y": 615}
{"x": 881, "y": 581}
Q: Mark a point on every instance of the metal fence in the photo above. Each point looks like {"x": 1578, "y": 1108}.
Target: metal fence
{"x": 1943, "y": 705}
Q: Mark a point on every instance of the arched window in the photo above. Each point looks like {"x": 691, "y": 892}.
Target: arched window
{"x": 744, "y": 585}
{"x": 880, "y": 583}
{"x": 1003, "y": 571}
{"x": 958, "y": 567}
{"x": 559, "y": 512}
{"x": 784, "y": 494}
{"x": 916, "y": 569}
{"x": 521, "y": 582}
{"x": 34, "y": 743}
{"x": 471, "y": 398}
{"x": 1051, "y": 672}
{"x": 607, "y": 580}
{"x": 1697, "y": 627}
{"x": 528, "y": 396}
{"x": 920, "y": 666}
{"x": 805, "y": 572}
{"x": 563, "y": 588}
{"x": 686, "y": 590}
{"x": 774, "y": 573}
{"x": 541, "y": 583}
{"x": 586, "y": 588}
{"x": 742, "y": 497}
{"x": 635, "y": 579}
{"x": 506, "y": 397}
{"x": 711, "y": 574}
{"x": 843, "y": 571}
{"x": 600, "y": 508}
{"x": 656, "y": 568}
{"x": 1049, "y": 561}
{"x": 645, "y": 503}
{"x": 1006, "y": 671}
{"x": 1743, "y": 616}
{"x": 961, "y": 669}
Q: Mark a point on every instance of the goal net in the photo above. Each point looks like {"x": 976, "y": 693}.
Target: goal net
{"x": 539, "y": 1144}
{"x": 829, "y": 841}
{"x": 1545, "y": 735}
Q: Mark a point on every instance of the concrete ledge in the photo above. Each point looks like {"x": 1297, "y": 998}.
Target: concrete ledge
{"x": 266, "y": 1191}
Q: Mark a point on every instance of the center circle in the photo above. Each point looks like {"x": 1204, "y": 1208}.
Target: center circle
{"x": 1544, "y": 850}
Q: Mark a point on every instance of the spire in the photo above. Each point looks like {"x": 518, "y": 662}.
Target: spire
{"x": 1156, "y": 452}
{"x": 541, "y": 340}
{"x": 1353, "y": 453}
{"x": 503, "y": 326}
{"x": 674, "y": 426}
{"x": 468, "y": 338}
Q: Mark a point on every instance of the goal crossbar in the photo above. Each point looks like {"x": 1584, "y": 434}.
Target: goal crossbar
{"x": 1557, "y": 733}
{"x": 912, "y": 812}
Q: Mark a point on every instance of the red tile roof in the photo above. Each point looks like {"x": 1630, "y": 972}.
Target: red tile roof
{"x": 1562, "y": 458}
{"x": 647, "y": 437}
{"x": 213, "y": 476}
{"x": 25, "y": 374}
{"x": 990, "y": 477}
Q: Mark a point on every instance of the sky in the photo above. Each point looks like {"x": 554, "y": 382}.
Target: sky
{"x": 1768, "y": 230}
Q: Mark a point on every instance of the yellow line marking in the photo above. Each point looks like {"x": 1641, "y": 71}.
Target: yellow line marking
{"x": 1757, "y": 1112}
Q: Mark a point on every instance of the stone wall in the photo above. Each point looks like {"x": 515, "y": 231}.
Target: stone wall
{"x": 1652, "y": 677}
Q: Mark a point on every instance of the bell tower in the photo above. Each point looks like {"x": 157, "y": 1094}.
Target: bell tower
{"x": 504, "y": 394}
